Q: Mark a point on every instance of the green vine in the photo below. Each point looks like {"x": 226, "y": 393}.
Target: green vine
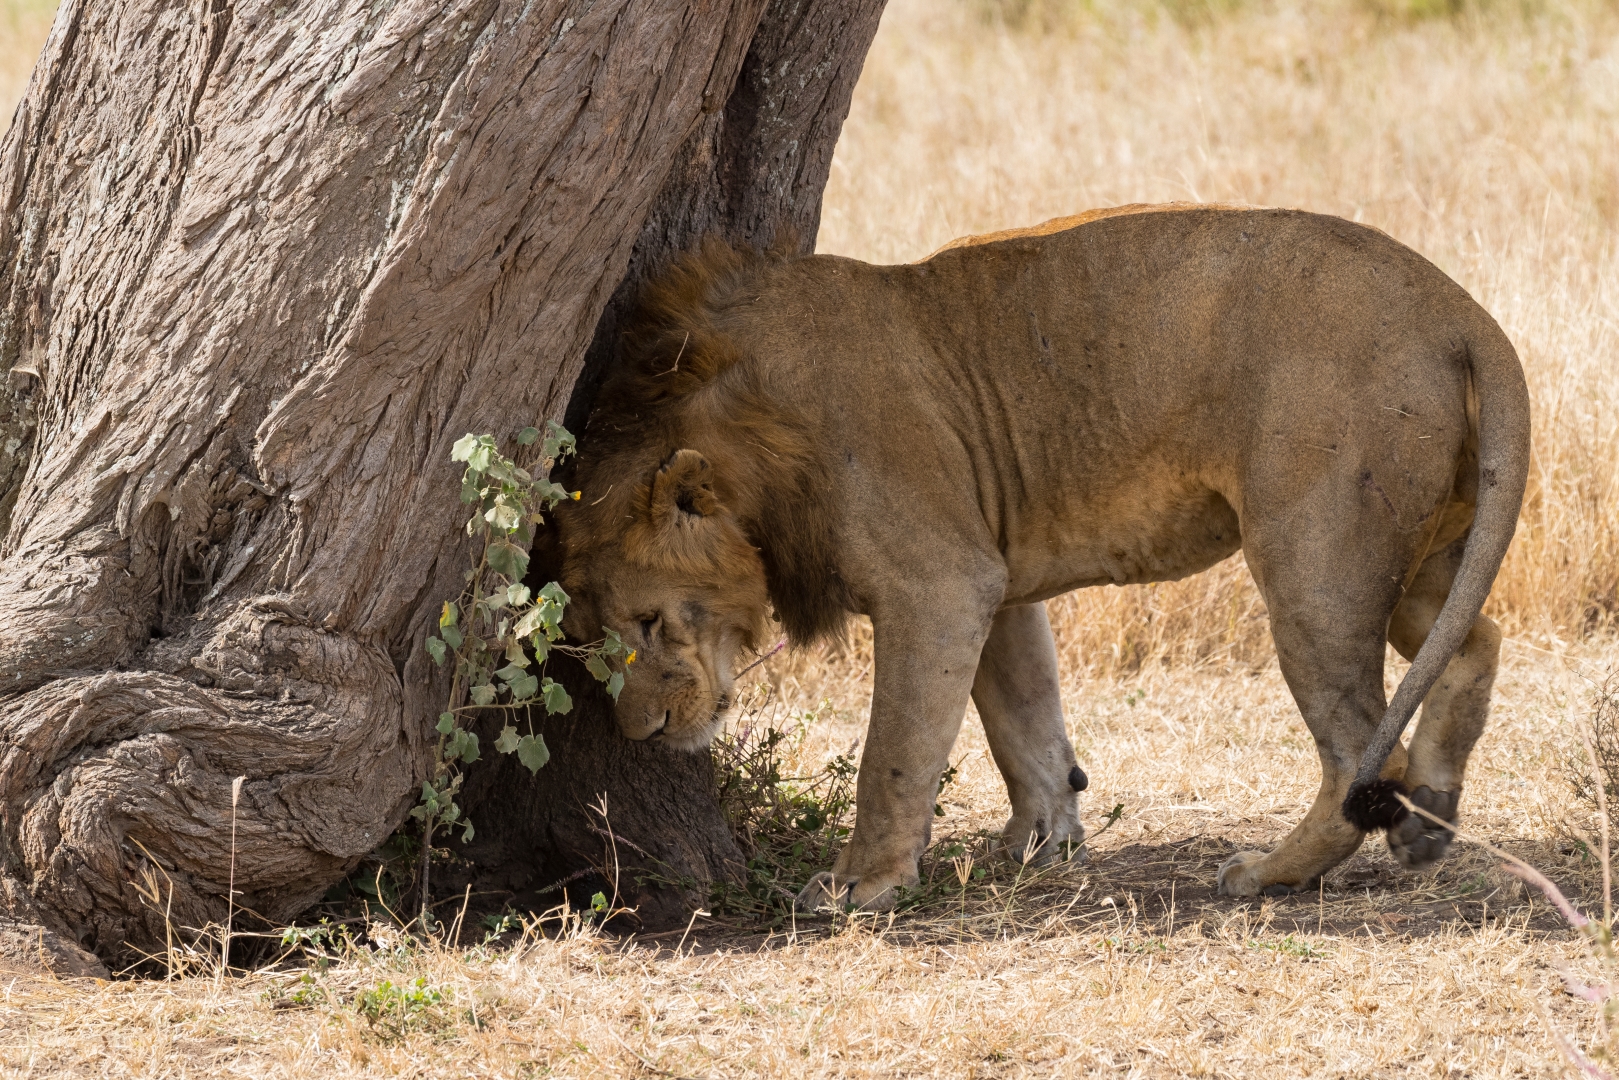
{"x": 497, "y": 634}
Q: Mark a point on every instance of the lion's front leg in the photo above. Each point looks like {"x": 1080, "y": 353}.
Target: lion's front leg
{"x": 924, "y": 673}
{"x": 1020, "y": 702}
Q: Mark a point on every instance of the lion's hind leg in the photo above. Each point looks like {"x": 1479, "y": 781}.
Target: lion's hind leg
{"x": 1019, "y": 700}
{"x": 1453, "y": 713}
{"x": 1330, "y": 584}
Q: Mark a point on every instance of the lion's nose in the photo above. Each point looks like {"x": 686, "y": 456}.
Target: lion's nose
{"x": 658, "y": 731}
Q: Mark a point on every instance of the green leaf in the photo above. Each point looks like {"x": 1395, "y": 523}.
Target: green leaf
{"x": 446, "y": 723}
{"x": 450, "y": 615}
{"x": 612, "y": 644}
{"x": 435, "y": 649}
{"x": 483, "y": 695}
{"x": 452, "y": 636}
{"x": 598, "y": 667}
{"x": 523, "y": 688}
{"x": 552, "y": 594}
{"x": 507, "y": 741}
{"x": 556, "y": 698}
{"x": 615, "y": 684}
{"x": 507, "y": 558}
{"x": 599, "y": 902}
{"x": 558, "y": 443}
{"x": 466, "y": 834}
{"x": 515, "y": 653}
{"x": 527, "y": 436}
{"x": 509, "y": 673}
{"x": 532, "y": 752}
{"x": 503, "y": 515}
{"x": 531, "y": 621}
{"x": 476, "y": 450}
{"x": 469, "y": 746}
{"x": 542, "y": 647}
{"x": 517, "y": 595}
{"x": 550, "y": 493}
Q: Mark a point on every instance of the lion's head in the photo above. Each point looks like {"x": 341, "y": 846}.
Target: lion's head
{"x": 679, "y": 582}
{"x": 685, "y": 552}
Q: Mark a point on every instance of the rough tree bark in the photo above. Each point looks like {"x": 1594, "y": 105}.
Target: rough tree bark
{"x": 260, "y": 265}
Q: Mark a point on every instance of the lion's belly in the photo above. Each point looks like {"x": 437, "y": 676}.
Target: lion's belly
{"x": 1144, "y": 536}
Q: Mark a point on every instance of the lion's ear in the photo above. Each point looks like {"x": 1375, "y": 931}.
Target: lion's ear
{"x": 681, "y": 525}
{"x": 683, "y": 489}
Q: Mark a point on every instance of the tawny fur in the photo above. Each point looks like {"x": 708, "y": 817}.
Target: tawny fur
{"x": 1130, "y": 395}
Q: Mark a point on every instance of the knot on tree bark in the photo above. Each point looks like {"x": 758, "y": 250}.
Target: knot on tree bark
{"x": 115, "y": 788}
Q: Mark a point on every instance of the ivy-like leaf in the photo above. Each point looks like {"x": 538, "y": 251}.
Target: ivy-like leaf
{"x": 558, "y": 443}
{"x": 598, "y": 667}
{"x": 552, "y": 593}
{"x": 549, "y": 492}
{"x": 483, "y": 695}
{"x": 509, "y": 673}
{"x": 452, "y": 636}
{"x": 515, "y": 653}
{"x": 503, "y": 515}
{"x": 523, "y": 688}
{"x": 542, "y": 647}
{"x": 532, "y": 752}
{"x": 507, "y": 558}
{"x": 469, "y": 746}
{"x": 527, "y": 436}
{"x": 446, "y": 723}
{"x": 612, "y": 644}
{"x": 615, "y": 684}
{"x": 517, "y": 595}
{"x": 506, "y": 742}
{"x": 466, "y": 834}
{"x": 450, "y": 615}
{"x": 435, "y": 649}
{"x": 556, "y": 698}
{"x": 476, "y": 450}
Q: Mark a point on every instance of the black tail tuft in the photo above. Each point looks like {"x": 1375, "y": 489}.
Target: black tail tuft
{"x": 1374, "y": 806}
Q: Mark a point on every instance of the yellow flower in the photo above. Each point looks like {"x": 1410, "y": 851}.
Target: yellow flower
{"x": 576, "y": 496}
{"x": 630, "y": 659}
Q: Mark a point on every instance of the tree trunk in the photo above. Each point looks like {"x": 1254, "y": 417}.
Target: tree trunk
{"x": 260, "y": 266}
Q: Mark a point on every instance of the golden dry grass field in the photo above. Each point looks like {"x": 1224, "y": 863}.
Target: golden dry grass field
{"x": 1486, "y": 135}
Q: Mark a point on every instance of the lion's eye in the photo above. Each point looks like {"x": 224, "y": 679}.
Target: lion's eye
{"x": 649, "y": 625}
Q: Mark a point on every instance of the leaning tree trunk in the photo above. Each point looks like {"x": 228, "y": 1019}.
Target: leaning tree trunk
{"x": 260, "y": 265}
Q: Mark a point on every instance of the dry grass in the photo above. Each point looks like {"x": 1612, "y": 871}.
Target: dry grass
{"x": 23, "y": 26}
{"x": 1126, "y": 966}
{"x": 1486, "y": 141}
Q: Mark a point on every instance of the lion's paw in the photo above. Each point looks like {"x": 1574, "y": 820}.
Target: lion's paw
{"x": 827, "y": 892}
{"x": 1240, "y": 876}
{"x": 1038, "y": 845}
{"x": 1417, "y": 843}
{"x": 823, "y": 893}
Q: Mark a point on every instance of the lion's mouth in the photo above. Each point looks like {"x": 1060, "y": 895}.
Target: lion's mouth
{"x": 659, "y": 731}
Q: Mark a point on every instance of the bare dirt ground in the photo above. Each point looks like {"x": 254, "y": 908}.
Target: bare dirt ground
{"x": 1482, "y": 135}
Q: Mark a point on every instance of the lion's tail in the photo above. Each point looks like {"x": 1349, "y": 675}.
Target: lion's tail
{"x": 1503, "y": 463}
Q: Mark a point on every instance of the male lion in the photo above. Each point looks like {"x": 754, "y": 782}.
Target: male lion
{"x": 1127, "y": 396}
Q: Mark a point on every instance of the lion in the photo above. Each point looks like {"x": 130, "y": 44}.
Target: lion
{"x": 1128, "y": 396}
